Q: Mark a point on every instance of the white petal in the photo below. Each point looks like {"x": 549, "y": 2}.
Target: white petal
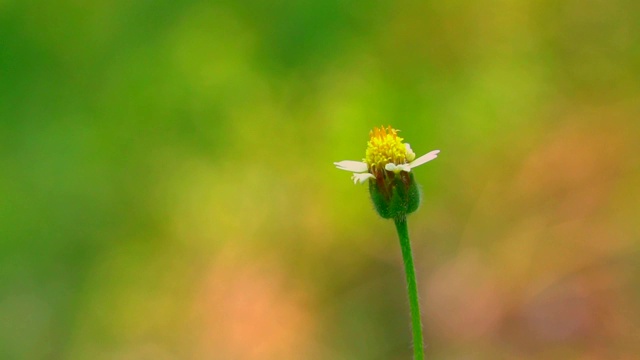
{"x": 350, "y": 165}
{"x": 361, "y": 178}
{"x": 391, "y": 167}
{"x": 410, "y": 154}
{"x": 397, "y": 168}
{"x": 424, "y": 158}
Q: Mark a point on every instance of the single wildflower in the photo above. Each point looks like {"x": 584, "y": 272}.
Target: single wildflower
{"x": 387, "y": 166}
{"x": 395, "y": 194}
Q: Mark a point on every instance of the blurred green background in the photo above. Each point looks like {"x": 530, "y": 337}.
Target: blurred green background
{"x": 167, "y": 188}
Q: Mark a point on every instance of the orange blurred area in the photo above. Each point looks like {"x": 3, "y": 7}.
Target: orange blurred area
{"x": 168, "y": 190}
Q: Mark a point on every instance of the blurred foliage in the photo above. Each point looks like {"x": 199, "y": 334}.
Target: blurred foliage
{"x": 167, "y": 189}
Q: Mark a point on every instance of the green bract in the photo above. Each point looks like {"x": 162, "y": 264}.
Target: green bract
{"x": 395, "y": 197}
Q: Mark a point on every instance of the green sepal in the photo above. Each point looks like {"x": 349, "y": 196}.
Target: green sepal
{"x": 399, "y": 200}
{"x": 380, "y": 203}
{"x": 404, "y": 196}
{"x": 414, "y": 195}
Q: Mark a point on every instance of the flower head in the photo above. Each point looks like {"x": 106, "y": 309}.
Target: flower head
{"x": 387, "y": 166}
{"x": 384, "y": 147}
{"x": 385, "y": 154}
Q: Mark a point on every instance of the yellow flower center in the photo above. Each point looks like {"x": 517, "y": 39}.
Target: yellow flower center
{"x": 384, "y": 146}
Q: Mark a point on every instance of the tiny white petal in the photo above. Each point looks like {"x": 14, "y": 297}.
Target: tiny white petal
{"x": 397, "y": 168}
{"x": 410, "y": 154}
{"x": 350, "y": 165}
{"x": 361, "y": 178}
{"x": 424, "y": 158}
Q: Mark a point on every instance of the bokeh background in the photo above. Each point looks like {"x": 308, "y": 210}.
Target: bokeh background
{"x": 167, "y": 188}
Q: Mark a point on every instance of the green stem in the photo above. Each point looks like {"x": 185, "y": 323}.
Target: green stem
{"x": 414, "y": 305}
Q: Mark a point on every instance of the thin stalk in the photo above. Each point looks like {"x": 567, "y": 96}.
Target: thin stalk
{"x": 412, "y": 288}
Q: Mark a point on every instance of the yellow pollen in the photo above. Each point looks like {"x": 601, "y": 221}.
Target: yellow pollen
{"x": 384, "y": 146}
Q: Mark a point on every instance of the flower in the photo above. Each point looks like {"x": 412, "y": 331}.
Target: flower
{"x": 385, "y": 156}
{"x": 387, "y": 167}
